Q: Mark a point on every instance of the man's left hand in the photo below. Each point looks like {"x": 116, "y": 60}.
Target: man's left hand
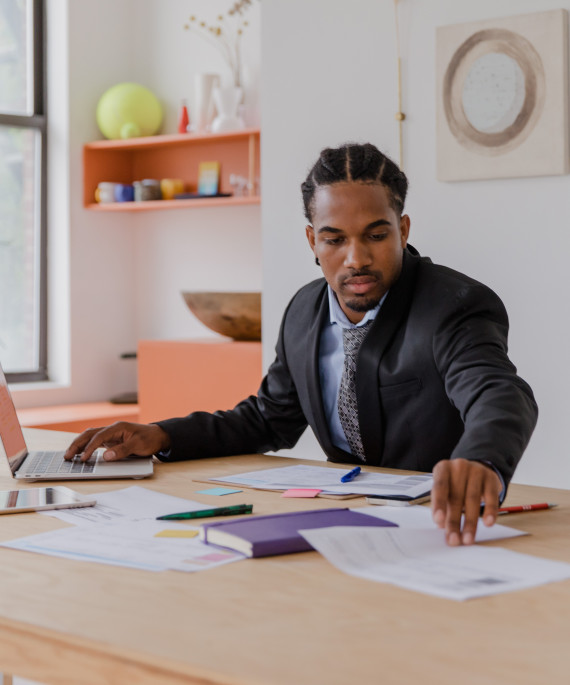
{"x": 459, "y": 487}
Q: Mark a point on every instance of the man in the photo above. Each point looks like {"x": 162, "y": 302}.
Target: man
{"x": 392, "y": 360}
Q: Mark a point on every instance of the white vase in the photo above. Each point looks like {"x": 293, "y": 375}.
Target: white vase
{"x": 204, "y": 85}
{"x": 227, "y": 101}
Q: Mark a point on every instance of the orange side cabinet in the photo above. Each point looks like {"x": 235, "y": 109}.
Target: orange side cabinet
{"x": 176, "y": 377}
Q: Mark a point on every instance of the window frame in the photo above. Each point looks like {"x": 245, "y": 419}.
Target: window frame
{"x": 37, "y": 122}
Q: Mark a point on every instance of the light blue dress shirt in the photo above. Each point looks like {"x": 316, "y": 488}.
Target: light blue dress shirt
{"x": 331, "y": 363}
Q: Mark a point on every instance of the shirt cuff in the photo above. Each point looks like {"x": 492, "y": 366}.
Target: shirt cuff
{"x": 163, "y": 455}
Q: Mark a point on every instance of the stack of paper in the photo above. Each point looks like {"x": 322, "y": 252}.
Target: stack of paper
{"x": 420, "y": 560}
{"x": 328, "y": 480}
{"x": 121, "y": 530}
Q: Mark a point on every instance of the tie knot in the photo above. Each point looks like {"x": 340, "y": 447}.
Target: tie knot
{"x": 352, "y": 338}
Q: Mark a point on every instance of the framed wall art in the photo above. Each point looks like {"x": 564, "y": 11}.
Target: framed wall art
{"x": 502, "y": 97}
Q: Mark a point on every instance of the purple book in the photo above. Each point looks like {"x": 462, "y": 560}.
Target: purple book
{"x": 264, "y": 536}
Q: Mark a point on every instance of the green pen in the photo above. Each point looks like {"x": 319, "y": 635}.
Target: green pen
{"x": 203, "y": 513}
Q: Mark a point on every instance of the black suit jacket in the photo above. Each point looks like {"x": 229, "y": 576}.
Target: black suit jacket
{"x": 433, "y": 381}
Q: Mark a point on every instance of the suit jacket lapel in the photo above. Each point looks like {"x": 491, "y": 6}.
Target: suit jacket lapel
{"x": 392, "y": 313}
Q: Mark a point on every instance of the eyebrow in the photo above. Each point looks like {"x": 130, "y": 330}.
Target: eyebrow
{"x": 374, "y": 224}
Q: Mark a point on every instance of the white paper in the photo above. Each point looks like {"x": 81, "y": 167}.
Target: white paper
{"x": 420, "y": 517}
{"x": 134, "y": 503}
{"x": 328, "y": 479}
{"x": 120, "y": 530}
{"x": 128, "y": 544}
{"x": 420, "y": 560}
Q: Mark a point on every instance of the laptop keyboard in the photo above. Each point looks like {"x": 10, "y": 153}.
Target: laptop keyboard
{"x": 46, "y": 463}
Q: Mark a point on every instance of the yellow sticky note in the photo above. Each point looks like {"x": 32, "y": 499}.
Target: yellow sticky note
{"x": 177, "y": 534}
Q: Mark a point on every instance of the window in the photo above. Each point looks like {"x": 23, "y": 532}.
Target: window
{"x": 23, "y": 301}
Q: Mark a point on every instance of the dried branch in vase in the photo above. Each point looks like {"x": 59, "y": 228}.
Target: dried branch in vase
{"x": 226, "y": 35}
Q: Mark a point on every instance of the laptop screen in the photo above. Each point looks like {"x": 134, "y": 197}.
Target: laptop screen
{"x": 10, "y": 431}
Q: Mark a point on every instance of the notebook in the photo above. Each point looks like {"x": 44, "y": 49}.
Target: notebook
{"x": 50, "y": 465}
{"x": 263, "y": 536}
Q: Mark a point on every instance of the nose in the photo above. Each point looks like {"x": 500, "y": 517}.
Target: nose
{"x": 357, "y": 255}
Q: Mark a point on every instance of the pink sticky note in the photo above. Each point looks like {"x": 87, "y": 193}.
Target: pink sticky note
{"x": 301, "y": 492}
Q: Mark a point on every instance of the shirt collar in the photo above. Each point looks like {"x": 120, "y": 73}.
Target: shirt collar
{"x": 339, "y": 317}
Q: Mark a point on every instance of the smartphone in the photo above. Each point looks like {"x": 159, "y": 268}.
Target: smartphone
{"x": 39, "y": 499}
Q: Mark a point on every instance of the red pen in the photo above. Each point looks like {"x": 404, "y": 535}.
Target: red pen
{"x": 525, "y": 507}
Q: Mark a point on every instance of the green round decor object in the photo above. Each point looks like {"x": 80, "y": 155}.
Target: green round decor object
{"x": 128, "y": 110}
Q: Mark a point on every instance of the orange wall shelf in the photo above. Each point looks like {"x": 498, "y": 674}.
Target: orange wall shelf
{"x": 171, "y": 156}
{"x": 176, "y": 377}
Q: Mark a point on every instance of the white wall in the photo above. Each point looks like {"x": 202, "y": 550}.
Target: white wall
{"x": 200, "y": 249}
{"x": 116, "y": 278}
{"x": 339, "y": 84}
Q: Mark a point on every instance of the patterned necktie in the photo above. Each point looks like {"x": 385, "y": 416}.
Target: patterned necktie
{"x": 347, "y": 408}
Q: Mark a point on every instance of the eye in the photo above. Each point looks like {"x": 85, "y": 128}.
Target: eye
{"x": 333, "y": 241}
{"x": 377, "y": 237}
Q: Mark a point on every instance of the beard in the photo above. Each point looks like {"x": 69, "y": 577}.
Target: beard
{"x": 366, "y": 301}
{"x": 362, "y": 304}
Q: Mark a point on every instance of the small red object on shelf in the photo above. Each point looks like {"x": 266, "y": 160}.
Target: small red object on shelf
{"x": 184, "y": 119}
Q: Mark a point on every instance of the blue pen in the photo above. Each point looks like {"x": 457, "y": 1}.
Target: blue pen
{"x": 351, "y": 475}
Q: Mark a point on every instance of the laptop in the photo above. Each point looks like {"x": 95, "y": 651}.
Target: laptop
{"x": 50, "y": 465}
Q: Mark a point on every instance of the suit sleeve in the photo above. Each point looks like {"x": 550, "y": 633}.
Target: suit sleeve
{"x": 268, "y": 421}
{"x": 496, "y": 405}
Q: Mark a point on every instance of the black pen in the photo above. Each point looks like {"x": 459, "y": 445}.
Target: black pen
{"x": 204, "y": 513}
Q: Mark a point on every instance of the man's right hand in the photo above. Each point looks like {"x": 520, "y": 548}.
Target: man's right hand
{"x": 121, "y": 440}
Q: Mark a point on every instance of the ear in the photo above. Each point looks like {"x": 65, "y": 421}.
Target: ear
{"x": 404, "y": 229}
{"x": 310, "y": 233}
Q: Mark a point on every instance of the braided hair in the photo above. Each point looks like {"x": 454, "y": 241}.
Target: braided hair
{"x": 357, "y": 163}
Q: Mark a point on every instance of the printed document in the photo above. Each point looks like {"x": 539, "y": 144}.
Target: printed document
{"x": 420, "y": 517}
{"x": 135, "y": 545}
{"x": 328, "y": 480}
{"x": 121, "y": 530}
{"x": 128, "y": 504}
{"x": 420, "y": 560}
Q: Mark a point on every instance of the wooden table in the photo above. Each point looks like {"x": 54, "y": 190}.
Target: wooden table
{"x": 289, "y": 620}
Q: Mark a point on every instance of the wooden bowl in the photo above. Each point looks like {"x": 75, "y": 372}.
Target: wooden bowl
{"x": 236, "y": 315}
